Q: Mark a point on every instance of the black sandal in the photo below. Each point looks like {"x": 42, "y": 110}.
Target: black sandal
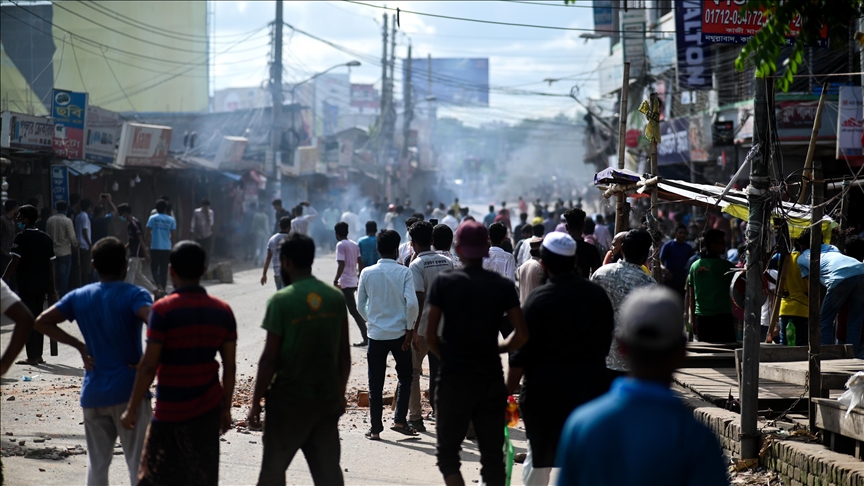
{"x": 369, "y": 435}
{"x": 404, "y": 430}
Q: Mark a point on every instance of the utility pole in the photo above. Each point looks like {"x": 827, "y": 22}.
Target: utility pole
{"x": 408, "y": 116}
{"x": 655, "y": 209}
{"x": 382, "y": 116}
{"x": 621, "y": 216}
{"x": 814, "y": 367}
{"x": 276, "y": 91}
{"x": 757, "y": 197}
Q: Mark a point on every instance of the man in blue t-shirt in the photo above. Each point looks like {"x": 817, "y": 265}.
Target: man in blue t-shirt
{"x": 640, "y": 419}
{"x": 674, "y": 256}
{"x": 110, "y": 314}
{"x": 160, "y": 231}
{"x": 369, "y": 246}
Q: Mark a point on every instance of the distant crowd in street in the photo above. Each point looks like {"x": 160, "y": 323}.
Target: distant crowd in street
{"x": 432, "y": 283}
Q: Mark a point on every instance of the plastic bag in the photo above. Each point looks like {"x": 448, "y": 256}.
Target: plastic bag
{"x": 853, "y": 397}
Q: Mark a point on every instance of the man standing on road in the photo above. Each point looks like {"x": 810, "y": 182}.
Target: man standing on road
{"x": 109, "y": 314}
{"x": 674, "y": 256}
{"x": 300, "y": 223}
{"x": 202, "y": 226}
{"x": 83, "y": 234}
{"x": 349, "y": 265}
{"x": 619, "y": 279}
{"x": 259, "y": 230}
{"x": 160, "y": 231}
{"x": 187, "y": 329}
{"x": 9, "y": 230}
{"x": 499, "y": 261}
{"x": 280, "y": 213}
{"x": 387, "y": 300}
{"x": 587, "y": 257}
{"x": 138, "y": 252}
{"x": 103, "y": 219}
{"x": 556, "y": 381}
{"x": 530, "y": 272}
{"x": 303, "y": 370}
{"x": 32, "y": 267}
{"x": 368, "y": 245}
{"x": 451, "y": 221}
{"x": 442, "y": 240}
{"x": 424, "y": 268}
{"x": 350, "y": 217}
{"x": 640, "y": 408}
{"x": 470, "y": 380}
{"x": 59, "y": 227}
{"x": 273, "y": 253}
{"x": 524, "y": 253}
{"x": 709, "y": 280}
{"x": 490, "y": 217}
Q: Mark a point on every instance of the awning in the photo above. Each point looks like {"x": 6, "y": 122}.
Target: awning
{"x": 233, "y": 177}
{"x": 612, "y": 175}
{"x": 80, "y": 167}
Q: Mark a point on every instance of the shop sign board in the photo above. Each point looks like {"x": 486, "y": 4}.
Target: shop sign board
{"x": 674, "y": 146}
{"x": 724, "y": 22}
{"x": 103, "y": 129}
{"x": 27, "y": 132}
{"x": 143, "y": 145}
{"x": 69, "y": 110}
{"x": 59, "y": 184}
{"x": 850, "y": 125}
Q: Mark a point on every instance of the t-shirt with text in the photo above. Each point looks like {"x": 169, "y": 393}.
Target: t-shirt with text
{"x": 161, "y": 226}
{"x": 424, "y": 268}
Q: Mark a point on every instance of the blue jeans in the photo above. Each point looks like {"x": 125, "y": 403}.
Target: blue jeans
{"x": 62, "y": 269}
{"x": 277, "y": 279}
{"x": 376, "y": 356}
{"x": 849, "y": 290}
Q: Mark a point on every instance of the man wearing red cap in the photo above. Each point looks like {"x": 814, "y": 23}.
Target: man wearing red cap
{"x": 470, "y": 380}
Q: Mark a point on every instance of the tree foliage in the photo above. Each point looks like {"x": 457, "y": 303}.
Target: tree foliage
{"x": 764, "y": 49}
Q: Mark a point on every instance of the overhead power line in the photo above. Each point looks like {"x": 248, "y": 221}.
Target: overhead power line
{"x": 493, "y": 22}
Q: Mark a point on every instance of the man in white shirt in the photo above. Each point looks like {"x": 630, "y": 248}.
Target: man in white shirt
{"x": 499, "y": 261}
{"x": 350, "y": 217}
{"x": 530, "y": 272}
{"x": 424, "y": 268}
{"x": 524, "y": 254}
{"x": 451, "y": 221}
{"x": 440, "y": 212}
{"x": 82, "y": 234}
{"x": 387, "y": 301}
{"x": 349, "y": 265}
{"x": 62, "y": 232}
{"x": 406, "y": 251}
{"x": 300, "y": 223}
{"x": 273, "y": 253}
{"x": 202, "y": 226}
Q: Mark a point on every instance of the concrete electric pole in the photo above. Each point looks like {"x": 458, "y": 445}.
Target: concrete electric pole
{"x": 276, "y": 91}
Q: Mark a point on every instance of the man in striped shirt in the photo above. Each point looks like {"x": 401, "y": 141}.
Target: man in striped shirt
{"x": 187, "y": 329}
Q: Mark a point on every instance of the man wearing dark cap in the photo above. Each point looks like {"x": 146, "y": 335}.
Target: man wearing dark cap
{"x": 556, "y": 381}
{"x": 640, "y": 419}
{"x": 470, "y": 380}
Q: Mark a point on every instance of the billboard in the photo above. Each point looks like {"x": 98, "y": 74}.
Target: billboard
{"x": 143, "y": 145}
{"x": 674, "y": 146}
{"x": 26, "y": 132}
{"x": 59, "y": 184}
{"x": 694, "y": 55}
{"x": 604, "y": 20}
{"x": 101, "y": 134}
{"x": 456, "y": 81}
{"x": 231, "y": 150}
{"x": 850, "y": 125}
{"x": 69, "y": 110}
{"x": 723, "y": 22}
{"x": 633, "y": 39}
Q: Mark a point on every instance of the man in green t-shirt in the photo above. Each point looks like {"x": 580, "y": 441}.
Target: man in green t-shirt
{"x": 303, "y": 370}
{"x": 709, "y": 280}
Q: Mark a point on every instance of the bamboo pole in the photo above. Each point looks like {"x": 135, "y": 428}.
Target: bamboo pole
{"x": 621, "y": 217}
{"x": 811, "y": 149}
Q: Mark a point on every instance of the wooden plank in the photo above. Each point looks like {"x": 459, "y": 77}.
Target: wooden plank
{"x": 772, "y": 353}
{"x": 831, "y": 416}
{"x": 835, "y": 373}
{"x": 717, "y": 383}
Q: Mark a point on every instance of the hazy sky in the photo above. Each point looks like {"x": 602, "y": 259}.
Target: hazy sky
{"x": 518, "y": 57}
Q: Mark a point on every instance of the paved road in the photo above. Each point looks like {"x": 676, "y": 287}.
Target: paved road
{"x": 47, "y": 407}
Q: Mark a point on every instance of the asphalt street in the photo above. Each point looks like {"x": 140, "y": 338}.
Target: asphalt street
{"x": 43, "y": 412}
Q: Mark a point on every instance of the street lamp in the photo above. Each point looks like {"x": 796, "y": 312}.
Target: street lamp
{"x": 349, "y": 64}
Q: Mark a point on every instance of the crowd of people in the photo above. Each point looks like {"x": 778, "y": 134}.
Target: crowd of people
{"x": 434, "y": 283}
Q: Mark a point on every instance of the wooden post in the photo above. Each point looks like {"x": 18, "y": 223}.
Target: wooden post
{"x": 655, "y": 172}
{"x": 814, "y": 380}
{"x": 778, "y": 295}
{"x": 621, "y": 216}
{"x": 811, "y": 149}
